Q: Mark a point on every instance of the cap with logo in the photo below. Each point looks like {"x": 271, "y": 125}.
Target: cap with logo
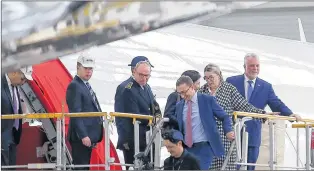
{"x": 27, "y": 71}
{"x": 86, "y": 60}
{"x": 138, "y": 59}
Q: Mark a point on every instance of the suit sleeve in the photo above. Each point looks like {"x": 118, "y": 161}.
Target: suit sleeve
{"x": 74, "y": 102}
{"x": 228, "y": 80}
{"x": 221, "y": 115}
{"x": 276, "y": 105}
{"x": 171, "y": 104}
{"x": 239, "y": 103}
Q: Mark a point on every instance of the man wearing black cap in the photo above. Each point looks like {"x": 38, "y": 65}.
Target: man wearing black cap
{"x": 180, "y": 158}
{"x": 134, "y": 96}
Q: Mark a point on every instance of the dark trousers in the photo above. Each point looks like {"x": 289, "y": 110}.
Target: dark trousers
{"x": 81, "y": 155}
{"x": 8, "y": 156}
{"x": 204, "y": 153}
{"x": 252, "y": 156}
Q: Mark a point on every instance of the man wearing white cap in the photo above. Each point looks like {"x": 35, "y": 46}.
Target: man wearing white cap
{"x": 85, "y": 132}
{"x": 11, "y": 130}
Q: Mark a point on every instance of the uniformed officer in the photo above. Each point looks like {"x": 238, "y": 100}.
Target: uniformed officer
{"x": 135, "y": 96}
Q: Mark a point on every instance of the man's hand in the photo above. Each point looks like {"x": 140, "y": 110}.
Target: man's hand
{"x": 230, "y": 135}
{"x": 126, "y": 146}
{"x": 86, "y": 141}
{"x": 297, "y": 117}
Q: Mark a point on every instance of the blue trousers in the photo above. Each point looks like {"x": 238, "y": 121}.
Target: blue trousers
{"x": 204, "y": 153}
{"x": 252, "y": 156}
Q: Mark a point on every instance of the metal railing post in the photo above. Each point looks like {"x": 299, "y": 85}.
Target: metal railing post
{"x": 151, "y": 148}
{"x": 136, "y": 142}
{"x": 308, "y": 147}
{"x": 245, "y": 140}
{"x": 298, "y": 147}
{"x": 238, "y": 139}
{"x": 107, "y": 143}
{"x": 312, "y": 148}
{"x": 157, "y": 162}
{"x": 59, "y": 144}
{"x": 271, "y": 145}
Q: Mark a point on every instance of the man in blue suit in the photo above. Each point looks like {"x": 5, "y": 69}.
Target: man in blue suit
{"x": 259, "y": 93}
{"x": 84, "y": 132}
{"x": 11, "y": 130}
{"x": 195, "y": 116}
{"x": 134, "y": 96}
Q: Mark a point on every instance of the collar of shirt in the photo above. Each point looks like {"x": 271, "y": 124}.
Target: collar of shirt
{"x": 247, "y": 79}
{"x": 194, "y": 98}
{"x": 8, "y": 80}
{"x": 135, "y": 81}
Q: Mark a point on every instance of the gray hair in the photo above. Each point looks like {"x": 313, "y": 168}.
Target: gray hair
{"x": 213, "y": 68}
{"x": 250, "y": 55}
{"x": 141, "y": 62}
{"x": 184, "y": 80}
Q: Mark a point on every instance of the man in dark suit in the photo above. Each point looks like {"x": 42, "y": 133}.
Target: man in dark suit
{"x": 195, "y": 116}
{"x": 259, "y": 93}
{"x": 134, "y": 96}
{"x": 84, "y": 132}
{"x": 174, "y": 97}
{"x": 11, "y": 130}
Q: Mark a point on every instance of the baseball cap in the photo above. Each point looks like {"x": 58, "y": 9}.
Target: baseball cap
{"x": 173, "y": 135}
{"x": 27, "y": 71}
{"x": 86, "y": 60}
{"x": 138, "y": 59}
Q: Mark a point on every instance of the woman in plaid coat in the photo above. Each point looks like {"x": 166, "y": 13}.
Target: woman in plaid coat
{"x": 230, "y": 100}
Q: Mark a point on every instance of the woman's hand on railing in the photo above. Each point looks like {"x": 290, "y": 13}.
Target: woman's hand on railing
{"x": 297, "y": 117}
{"x": 230, "y": 135}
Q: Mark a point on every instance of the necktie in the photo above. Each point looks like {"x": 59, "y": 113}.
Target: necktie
{"x": 188, "y": 135}
{"x": 92, "y": 94}
{"x": 249, "y": 89}
{"x": 15, "y": 106}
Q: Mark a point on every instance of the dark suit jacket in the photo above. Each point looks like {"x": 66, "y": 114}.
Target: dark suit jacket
{"x": 7, "y": 125}
{"x": 131, "y": 98}
{"x": 186, "y": 162}
{"x": 262, "y": 95}
{"x": 79, "y": 100}
{"x": 172, "y": 100}
{"x": 208, "y": 109}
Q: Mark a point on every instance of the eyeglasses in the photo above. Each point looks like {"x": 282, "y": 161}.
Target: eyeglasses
{"x": 211, "y": 77}
{"x": 143, "y": 75}
{"x": 184, "y": 92}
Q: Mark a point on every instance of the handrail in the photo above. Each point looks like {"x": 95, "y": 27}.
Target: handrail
{"x": 278, "y": 117}
{"x": 134, "y": 116}
{"x": 51, "y": 115}
{"x": 83, "y": 114}
{"x": 302, "y": 125}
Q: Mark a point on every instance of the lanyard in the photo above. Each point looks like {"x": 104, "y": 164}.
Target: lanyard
{"x": 177, "y": 163}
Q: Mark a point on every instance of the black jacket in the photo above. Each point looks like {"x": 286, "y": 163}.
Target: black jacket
{"x": 187, "y": 161}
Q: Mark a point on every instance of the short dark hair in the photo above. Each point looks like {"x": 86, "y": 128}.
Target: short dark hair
{"x": 184, "y": 80}
{"x": 193, "y": 74}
